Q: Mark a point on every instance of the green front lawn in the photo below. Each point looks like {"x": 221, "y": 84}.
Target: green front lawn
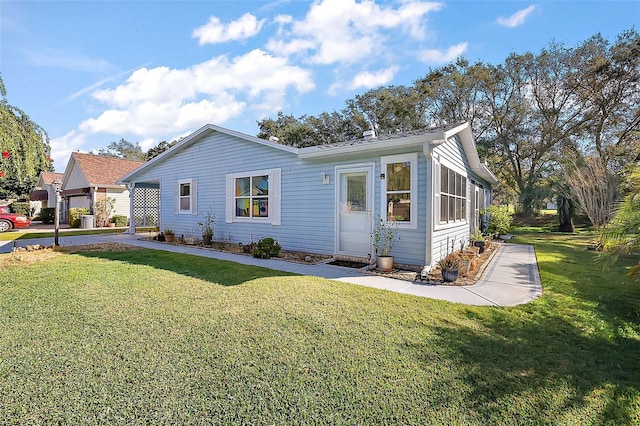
{"x": 20, "y": 234}
{"x": 148, "y": 336}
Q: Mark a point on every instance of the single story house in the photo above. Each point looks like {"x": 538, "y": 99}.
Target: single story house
{"x": 89, "y": 178}
{"x": 324, "y": 199}
{"x": 44, "y": 196}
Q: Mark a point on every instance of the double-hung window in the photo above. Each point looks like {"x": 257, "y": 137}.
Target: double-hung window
{"x": 185, "y": 196}
{"x": 453, "y": 196}
{"x": 253, "y": 197}
{"x": 399, "y": 189}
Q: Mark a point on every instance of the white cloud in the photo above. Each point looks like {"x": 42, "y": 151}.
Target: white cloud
{"x": 62, "y": 147}
{"x": 369, "y": 80}
{"x": 159, "y": 101}
{"x": 436, "y": 56}
{"x": 216, "y": 32}
{"x": 68, "y": 61}
{"x": 517, "y": 18}
{"x": 346, "y": 31}
{"x": 148, "y": 143}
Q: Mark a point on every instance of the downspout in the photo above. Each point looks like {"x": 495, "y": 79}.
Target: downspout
{"x": 427, "y": 149}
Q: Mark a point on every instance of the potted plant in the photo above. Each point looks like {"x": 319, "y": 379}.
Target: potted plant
{"x": 450, "y": 267}
{"x": 169, "y": 235}
{"x": 385, "y": 236}
{"x": 466, "y": 259}
{"x": 206, "y": 225}
{"x": 478, "y": 240}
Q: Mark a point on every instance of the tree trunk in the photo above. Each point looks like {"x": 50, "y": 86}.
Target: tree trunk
{"x": 566, "y": 210}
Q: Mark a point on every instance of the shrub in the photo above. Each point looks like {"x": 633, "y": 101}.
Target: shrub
{"x": 103, "y": 209}
{"x": 499, "y": 220}
{"x": 74, "y": 216}
{"x": 47, "y": 215}
{"x": 20, "y": 207}
{"x": 120, "y": 220}
{"x": 266, "y": 248}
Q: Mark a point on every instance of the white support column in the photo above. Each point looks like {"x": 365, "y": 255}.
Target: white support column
{"x": 132, "y": 219}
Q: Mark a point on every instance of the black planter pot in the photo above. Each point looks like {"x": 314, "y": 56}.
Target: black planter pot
{"x": 480, "y": 244}
{"x": 450, "y": 275}
{"x": 206, "y": 240}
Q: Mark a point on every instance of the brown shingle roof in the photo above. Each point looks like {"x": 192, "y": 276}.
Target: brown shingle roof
{"x": 48, "y": 177}
{"x": 102, "y": 170}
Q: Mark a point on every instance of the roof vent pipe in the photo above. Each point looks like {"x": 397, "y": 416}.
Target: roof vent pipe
{"x": 369, "y": 134}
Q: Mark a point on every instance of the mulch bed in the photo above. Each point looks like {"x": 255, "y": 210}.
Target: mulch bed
{"x": 435, "y": 277}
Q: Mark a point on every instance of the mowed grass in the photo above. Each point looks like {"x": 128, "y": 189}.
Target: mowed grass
{"x": 148, "y": 336}
{"x": 21, "y": 234}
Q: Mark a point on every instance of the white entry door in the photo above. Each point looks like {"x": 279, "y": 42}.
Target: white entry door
{"x": 354, "y": 209}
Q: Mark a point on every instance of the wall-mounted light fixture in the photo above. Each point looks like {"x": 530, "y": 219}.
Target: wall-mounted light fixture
{"x": 325, "y": 178}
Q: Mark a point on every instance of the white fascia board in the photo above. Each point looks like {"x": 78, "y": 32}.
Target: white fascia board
{"x": 326, "y": 151}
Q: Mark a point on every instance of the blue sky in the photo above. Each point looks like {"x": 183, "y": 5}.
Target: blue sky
{"x": 92, "y": 72}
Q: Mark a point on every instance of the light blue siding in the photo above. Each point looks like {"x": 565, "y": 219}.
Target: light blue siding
{"x": 308, "y": 205}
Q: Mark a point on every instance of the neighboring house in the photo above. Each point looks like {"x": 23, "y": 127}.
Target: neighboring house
{"x": 43, "y": 195}
{"x": 325, "y": 199}
{"x": 89, "y": 178}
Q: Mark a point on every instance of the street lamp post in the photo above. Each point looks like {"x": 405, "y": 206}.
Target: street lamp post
{"x": 56, "y": 184}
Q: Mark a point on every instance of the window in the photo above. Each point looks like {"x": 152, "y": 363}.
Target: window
{"x": 399, "y": 189}
{"x": 185, "y": 196}
{"x": 453, "y": 196}
{"x": 253, "y": 196}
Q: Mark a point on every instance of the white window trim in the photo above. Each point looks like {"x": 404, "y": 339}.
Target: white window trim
{"x": 274, "y": 197}
{"x": 437, "y": 224}
{"x": 413, "y": 210}
{"x": 193, "y": 188}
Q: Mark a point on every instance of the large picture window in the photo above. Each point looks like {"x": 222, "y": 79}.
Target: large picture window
{"x": 399, "y": 188}
{"x": 453, "y": 196}
{"x": 253, "y": 196}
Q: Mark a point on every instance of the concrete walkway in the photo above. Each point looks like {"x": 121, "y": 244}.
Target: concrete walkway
{"x": 511, "y": 278}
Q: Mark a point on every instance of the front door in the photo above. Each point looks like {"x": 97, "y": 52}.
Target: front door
{"x": 354, "y": 207}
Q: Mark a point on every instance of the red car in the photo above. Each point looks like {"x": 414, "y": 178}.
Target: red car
{"x": 9, "y": 221}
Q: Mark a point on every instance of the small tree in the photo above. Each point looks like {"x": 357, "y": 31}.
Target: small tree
{"x": 103, "y": 210}
{"x": 593, "y": 188}
{"x": 385, "y": 236}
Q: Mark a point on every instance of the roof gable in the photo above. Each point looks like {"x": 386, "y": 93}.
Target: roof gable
{"x": 46, "y": 178}
{"x": 99, "y": 170}
{"x": 197, "y": 136}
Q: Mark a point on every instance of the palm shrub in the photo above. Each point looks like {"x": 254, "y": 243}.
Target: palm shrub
{"x": 622, "y": 235}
